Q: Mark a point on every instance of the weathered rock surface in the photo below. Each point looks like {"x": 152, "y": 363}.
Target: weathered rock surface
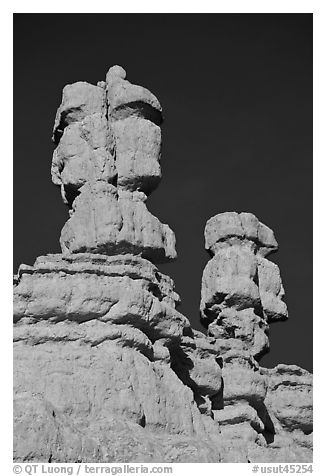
{"x": 268, "y": 411}
{"x": 106, "y": 162}
{"x": 84, "y": 154}
{"x": 105, "y": 367}
{"x": 289, "y": 397}
{"x": 79, "y": 100}
{"x": 226, "y": 229}
{"x": 108, "y": 221}
{"x": 94, "y": 339}
{"x": 138, "y": 148}
{"x": 121, "y": 289}
{"x": 238, "y": 277}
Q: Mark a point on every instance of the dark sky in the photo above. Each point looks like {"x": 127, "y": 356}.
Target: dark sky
{"x": 236, "y": 91}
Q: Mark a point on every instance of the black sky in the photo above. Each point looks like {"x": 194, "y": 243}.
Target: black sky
{"x": 236, "y": 91}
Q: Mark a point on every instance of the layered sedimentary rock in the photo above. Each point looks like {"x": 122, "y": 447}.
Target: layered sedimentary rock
{"x": 107, "y": 161}
{"x": 105, "y": 367}
{"x": 94, "y": 337}
{"x": 97, "y": 338}
{"x": 242, "y": 293}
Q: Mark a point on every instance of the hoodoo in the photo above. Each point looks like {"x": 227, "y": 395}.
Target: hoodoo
{"x": 105, "y": 367}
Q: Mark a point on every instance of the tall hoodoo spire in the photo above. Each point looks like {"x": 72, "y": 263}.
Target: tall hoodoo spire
{"x": 107, "y": 161}
{"x": 242, "y": 293}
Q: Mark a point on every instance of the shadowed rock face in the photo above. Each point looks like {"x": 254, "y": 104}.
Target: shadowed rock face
{"x": 105, "y": 367}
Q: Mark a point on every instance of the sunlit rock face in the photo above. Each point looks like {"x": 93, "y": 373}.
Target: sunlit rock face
{"x": 242, "y": 293}
{"x": 107, "y": 161}
{"x": 106, "y": 369}
{"x": 94, "y": 340}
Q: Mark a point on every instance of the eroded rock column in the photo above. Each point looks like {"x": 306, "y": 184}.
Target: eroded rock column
{"x": 107, "y": 162}
{"x": 242, "y": 294}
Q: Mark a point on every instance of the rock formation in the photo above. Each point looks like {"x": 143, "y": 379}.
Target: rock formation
{"x": 107, "y": 162}
{"x": 242, "y": 293}
{"x": 105, "y": 367}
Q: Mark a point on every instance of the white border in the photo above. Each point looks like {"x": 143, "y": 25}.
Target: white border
{"x": 316, "y": 7}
